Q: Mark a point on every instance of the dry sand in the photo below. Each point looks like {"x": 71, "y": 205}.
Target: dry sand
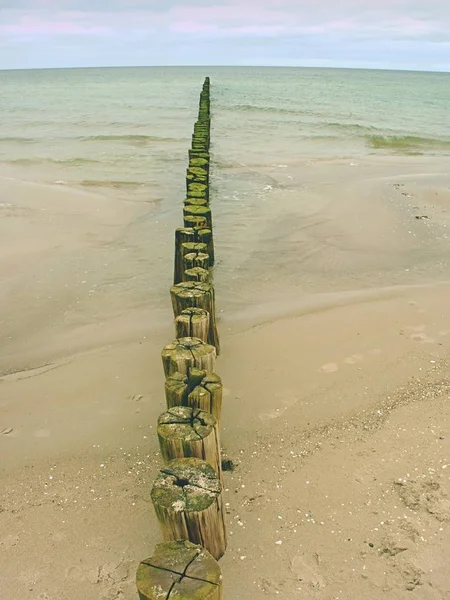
{"x": 336, "y": 338}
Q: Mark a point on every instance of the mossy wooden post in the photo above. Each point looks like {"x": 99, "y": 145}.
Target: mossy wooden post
{"x": 187, "y": 248}
{"x": 185, "y": 432}
{"x": 197, "y": 295}
{"x": 207, "y": 395}
{"x": 194, "y": 221}
{"x": 183, "y": 354}
{"x": 196, "y": 274}
{"x": 198, "y": 190}
{"x": 187, "y": 499}
{"x": 179, "y": 570}
{"x": 195, "y": 259}
{"x": 205, "y": 235}
{"x": 182, "y": 235}
{"x": 202, "y": 211}
{"x": 196, "y": 202}
{"x": 194, "y": 323}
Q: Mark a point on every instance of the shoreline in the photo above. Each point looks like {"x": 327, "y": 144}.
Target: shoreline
{"x": 334, "y": 309}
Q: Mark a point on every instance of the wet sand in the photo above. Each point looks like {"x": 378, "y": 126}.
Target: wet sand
{"x": 335, "y": 329}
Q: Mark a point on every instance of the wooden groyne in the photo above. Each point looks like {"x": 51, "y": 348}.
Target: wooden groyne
{"x": 187, "y": 492}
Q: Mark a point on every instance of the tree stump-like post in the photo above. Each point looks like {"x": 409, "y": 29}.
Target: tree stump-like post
{"x": 186, "y": 248}
{"x": 194, "y": 221}
{"x": 176, "y": 389}
{"x": 205, "y": 235}
{"x": 202, "y": 211}
{"x": 179, "y": 570}
{"x": 196, "y": 202}
{"x": 183, "y": 354}
{"x": 178, "y": 386}
{"x": 196, "y": 274}
{"x": 187, "y": 499}
{"x": 182, "y": 235}
{"x": 207, "y": 395}
{"x": 193, "y": 323}
{"x": 198, "y": 295}
{"x": 185, "y": 432}
{"x": 196, "y": 259}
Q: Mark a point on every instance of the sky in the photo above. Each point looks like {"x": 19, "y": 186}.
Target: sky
{"x": 393, "y": 34}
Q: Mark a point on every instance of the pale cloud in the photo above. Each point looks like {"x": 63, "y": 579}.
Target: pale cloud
{"x": 391, "y": 33}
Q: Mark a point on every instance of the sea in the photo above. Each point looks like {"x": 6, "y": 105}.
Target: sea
{"x": 124, "y": 134}
{"x": 128, "y": 129}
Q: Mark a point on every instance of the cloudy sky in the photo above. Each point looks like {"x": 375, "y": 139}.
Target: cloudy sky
{"x": 404, "y": 34}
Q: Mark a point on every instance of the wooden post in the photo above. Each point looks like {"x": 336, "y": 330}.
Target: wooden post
{"x": 186, "y": 248}
{"x": 196, "y": 274}
{"x": 203, "y": 211}
{"x": 196, "y": 202}
{"x": 195, "y": 259}
{"x": 182, "y": 235}
{"x": 198, "y": 295}
{"x": 205, "y": 235}
{"x": 183, "y": 354}
{"x": 194, "y": 221}
{"x": 208, "y": 395}
{"x": 179, "y": 570}
{"x": 198, "y": 190}
{"x": 185, "y": 432}
{"x": 177, "y": 391}
{"x": 187, "y": 499}
{"x": 193, "y": 323}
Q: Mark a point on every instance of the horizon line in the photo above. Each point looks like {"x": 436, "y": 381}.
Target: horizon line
{"x": 350, "y": 68}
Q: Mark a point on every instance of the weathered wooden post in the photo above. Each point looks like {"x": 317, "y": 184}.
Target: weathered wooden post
{"x": 195, "y": 259}
{"x": 179, "y": 386}
{"x": 195, "y": 221}
{"x": 196, "y": 274}
{"x": 187, "y": 499}
{"x": 208, "y": 395}
{"x": 193, "y": 294}
{"x": 194, "y": 210}
{"x": 179, "y": 570}
{"x": 187, "y": 248}
{"x": 185, "y": 432}
{"x": 183, "y": 354}
{"x": 198, "y": 389}
{"x": 193, "y": 323}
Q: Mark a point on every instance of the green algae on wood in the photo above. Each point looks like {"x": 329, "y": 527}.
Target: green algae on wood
{"x": 202, "y": 211}
{"x": 196, "y": 201}
{"x": 187, "y": 499}
{"x": 186, "y": 248}
{"x": 198, "y": 190}
{"x": 192, "y": 260}
{"x": 196, "y": 274}
{"x": 179, "y": 570}
{"x": 194, "y": 221}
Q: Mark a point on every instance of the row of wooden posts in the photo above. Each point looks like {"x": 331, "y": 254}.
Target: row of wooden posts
{"x": 187, "y": 492}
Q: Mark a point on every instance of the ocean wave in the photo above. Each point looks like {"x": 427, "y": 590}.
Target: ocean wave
{"x": 129, "y": 138}
{"x": 70, "y": 162}
{"x": 266, "y": 109}
{"x": 116, "y": 184}
{"x": 407, "y": 144}
{"x": 16, "y": 140}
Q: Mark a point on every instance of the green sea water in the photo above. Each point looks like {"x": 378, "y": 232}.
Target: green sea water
{"x": 123, "y": 128}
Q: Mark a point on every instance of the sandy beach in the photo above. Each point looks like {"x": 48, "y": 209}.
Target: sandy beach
{"x": 333, "y": 295}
